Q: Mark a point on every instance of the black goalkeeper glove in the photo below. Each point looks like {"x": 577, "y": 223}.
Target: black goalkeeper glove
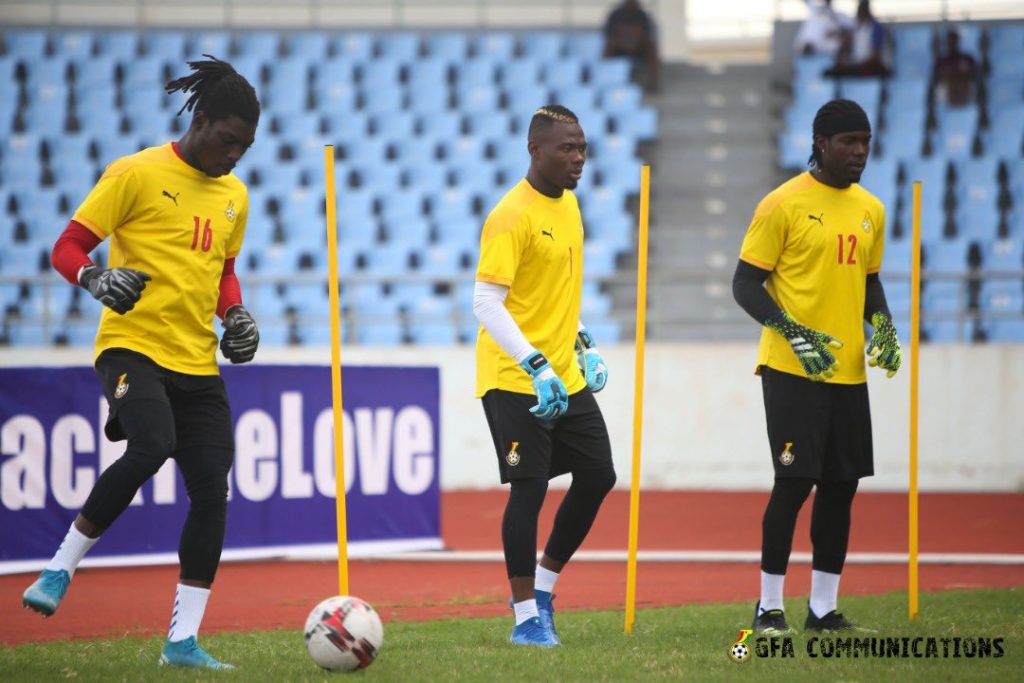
{"x": 810, "y": 346}
{"x": 241, "y": 338}
{"x": 117, "y": 288}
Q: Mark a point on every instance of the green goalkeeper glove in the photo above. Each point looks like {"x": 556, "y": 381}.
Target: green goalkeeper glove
{"x": 884, "y": 347}
{"x": 810, "y": 346}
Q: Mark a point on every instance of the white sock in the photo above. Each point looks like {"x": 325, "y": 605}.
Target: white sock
{"x": 189, "y": 605}
{"x": 71, "y": 551}
{"x": 824, "y": 592}
{"x": 545, "y": 579}
{"x": 527, "y": 609}
{"x": 771, "y": 591}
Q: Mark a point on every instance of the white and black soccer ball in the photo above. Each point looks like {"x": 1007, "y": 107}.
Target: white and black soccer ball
{"x": 344, "y": 633}
{"x": 739, "y": 652}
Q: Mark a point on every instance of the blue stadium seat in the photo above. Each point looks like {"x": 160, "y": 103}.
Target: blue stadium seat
{"x": 464, "y": 150}
{"x": 401, "y": 205}
{"x": 433, "y": 333}
{"x": 867, "y": 92}
{"x": 74, "y": 43}
{"x": 565, "y": 73}
{"x": 595, "y": 306}
{"x": 216, "y": 43}
{"x": 609, "y": 72}
{"x": 946, "y": 255}
{"x": 478, "y": 99}
{"x": 263, "y": 45}
{"x": 388, "y": 260}
{"x": 368, "y": 302}
{"x": 1005, "y": 92}
{"x": 145, "y": 73}
{"x": 808, "y": 67}
{"x": 410, "y": 230}
{"x": 521, "y": 73}
{"x": 23, "y": 259}
{"x": 308, "y": 45}
{"x": 978, "y": 221}
{"x": 337, "y": 69}
{"x": 943, "y": 296}
{"x": 365, "y": 151}
{"x": 947, "y": 331}
{"x": 28, "y": 43}
{"x": 358, "y": 45}
{"x": 401, "y": 46}
{"x": 460, "y": 233}
{"x": 475, "y": 72}
{"x": 598, "y": 259}
{"x": 1005, "y": 331}
{"x": 428, "y": 72}
{"x": 380, "y": 74}
{"x": 440, "y": 260}
{"x": 587, "y": 46}
{"x": 168, "y": 45}
{"x": 449, "y": 46}
{"x": 379, "y": 334}
{"x": 544, "y": 46}
{"x": 122, "y": 46}
{"x": 641, "y": 124}
{"x": 382, "y": 100}
{"x": 1005, "y": 255}
{"x": 621, "y": 98}
{"x": 1004, "y": 297}
{"x": 955, "y": 134}
{"x": 496, "y": 46}
{"x": 428, "y": 101}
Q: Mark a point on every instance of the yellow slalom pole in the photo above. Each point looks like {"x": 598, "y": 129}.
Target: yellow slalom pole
{"x": 339, "y": 436}
{"x": 638, "y": 397}
{"x": 915, "y": 371}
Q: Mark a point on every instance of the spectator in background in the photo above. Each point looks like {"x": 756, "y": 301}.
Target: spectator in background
{"x": 864, "y": 51}
{"x": 954, "y": 74}
{"x": 629, "y": 31}
{"x": 821, "y": 32}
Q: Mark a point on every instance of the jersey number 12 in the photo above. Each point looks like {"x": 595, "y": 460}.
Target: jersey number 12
{"x": 851, "y": 254}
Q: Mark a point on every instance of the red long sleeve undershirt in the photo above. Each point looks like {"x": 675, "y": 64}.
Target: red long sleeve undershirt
{"x": 71, "y": 252}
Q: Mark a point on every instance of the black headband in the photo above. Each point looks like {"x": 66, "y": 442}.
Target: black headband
{"x": 840, "y": 116}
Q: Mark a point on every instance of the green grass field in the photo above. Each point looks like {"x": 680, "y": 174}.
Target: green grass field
{"x": 670, "y": 644}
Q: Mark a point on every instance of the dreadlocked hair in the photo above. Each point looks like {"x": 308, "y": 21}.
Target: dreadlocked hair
{"x": 548, "y": 115}
{"x": 217, "y": 90}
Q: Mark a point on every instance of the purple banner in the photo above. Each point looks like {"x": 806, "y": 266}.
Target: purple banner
{"x": 282, "y": 483}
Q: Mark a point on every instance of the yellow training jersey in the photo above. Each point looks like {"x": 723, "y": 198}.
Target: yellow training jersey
{"x": 820, "y": 243}
{"x": 533, "y": 244}
{"x": 177, "y": 224}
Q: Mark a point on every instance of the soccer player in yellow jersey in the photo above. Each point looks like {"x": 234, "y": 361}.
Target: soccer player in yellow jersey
{"x": 538, "y": 366}
{"x": 176, "y": 218}
{"x": 808, "y": 271}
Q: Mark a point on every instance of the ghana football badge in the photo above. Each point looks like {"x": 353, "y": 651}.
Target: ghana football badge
{"x": 787, "y": 457}
{"x": 122, "y": 386}
{"x": 866, "y": 224}
{"x": 513, "y": 455}
{"x": 229, "y": 212}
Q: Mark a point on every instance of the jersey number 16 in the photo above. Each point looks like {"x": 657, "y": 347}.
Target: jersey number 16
{"x": 207, "y": 239}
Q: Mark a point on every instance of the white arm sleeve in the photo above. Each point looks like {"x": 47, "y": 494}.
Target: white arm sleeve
{"x": 489, "y": 309}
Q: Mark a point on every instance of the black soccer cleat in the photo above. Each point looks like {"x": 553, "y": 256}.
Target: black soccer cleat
{"x": 771, "y": 622}
{"x": 832, "y": 622}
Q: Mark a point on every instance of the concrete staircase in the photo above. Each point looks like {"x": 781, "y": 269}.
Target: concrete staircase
{"x": 713, "y": 161}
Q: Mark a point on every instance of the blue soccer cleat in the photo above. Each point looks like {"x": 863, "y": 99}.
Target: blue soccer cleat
{"x": 533, "y": 632}
{"x": 188, "y": 653}
{"x": 45, "y": 594}
{"x": 547, "y": 613}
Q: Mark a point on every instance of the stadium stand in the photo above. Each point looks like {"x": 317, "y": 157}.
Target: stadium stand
{"x": 970, "y": 161}
{"x": 429, "y": 130}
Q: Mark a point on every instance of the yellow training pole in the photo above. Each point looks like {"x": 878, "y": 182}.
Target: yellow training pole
{"x": 638, "y": 397}
{"x": 339, "y": 436}
{"x": 915, "y": 371}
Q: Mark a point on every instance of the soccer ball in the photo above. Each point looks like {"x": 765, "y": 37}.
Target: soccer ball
{"x": 739, "y": 652}
{"x": 343, "y": 633}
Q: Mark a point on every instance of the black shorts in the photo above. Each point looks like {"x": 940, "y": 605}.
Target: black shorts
{"x": 529, "y": 448}
{"x": 202, "y": 416}
{"x": 817, "y": 430}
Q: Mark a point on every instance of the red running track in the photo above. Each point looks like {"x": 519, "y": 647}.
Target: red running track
{"x": 267, "y": 595}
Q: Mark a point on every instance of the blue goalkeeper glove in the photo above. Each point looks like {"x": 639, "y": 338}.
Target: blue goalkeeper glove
{"x": 552, "y": 397}
{"x": 117, "y": 288}
{"x": 241, "y": 338}
{"x": 811, "y": 347}
{"x": 592, "y": 366}
{"x": 884, "y": 346}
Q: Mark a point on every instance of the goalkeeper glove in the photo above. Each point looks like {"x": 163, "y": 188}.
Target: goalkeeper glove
{"x": 117, "y": 288}
{"x": 884, "y": 347}
{"x": 592, "y": 366}
{"x": 241, "y": 338}
{"x": 810, "y": 346}
{"x": 552, "y": 397}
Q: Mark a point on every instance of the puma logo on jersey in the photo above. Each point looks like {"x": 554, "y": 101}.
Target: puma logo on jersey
{"x": 818, "y": 218}
{"x": 548, "y": 232}
{"x": 172, "y": 197}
